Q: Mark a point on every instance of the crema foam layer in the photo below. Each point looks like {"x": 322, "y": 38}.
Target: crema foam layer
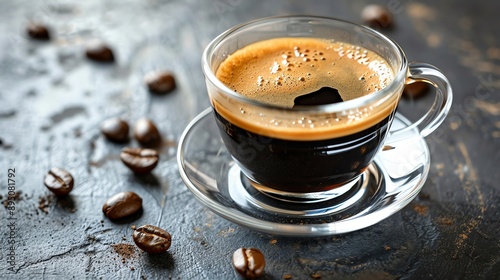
{"x": 279, "y": 70}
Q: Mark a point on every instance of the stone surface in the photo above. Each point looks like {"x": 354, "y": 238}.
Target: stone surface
{"x": 53, "y": 100}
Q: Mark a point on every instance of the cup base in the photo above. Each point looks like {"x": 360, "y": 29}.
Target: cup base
{"x": 294, "y": 197}
{"x": 250, "y": 195}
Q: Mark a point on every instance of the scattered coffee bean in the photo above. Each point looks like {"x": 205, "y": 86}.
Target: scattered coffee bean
{"x": 122, "y": 205}
{"x": 152, "y": 239}
{"x": 140, "y": 161}
{"x": 415, "y": 90}
{"x": 115, "y": 129}
{"x": 146, "y": 133}
{"x": 59, "y": 181}
{"x": 376, "y": 16}
{"x": 99, "y": 52}
{"x": 37, "y": 31}
{"x": 249, "y": 263}
{"x": 160, "y": 82}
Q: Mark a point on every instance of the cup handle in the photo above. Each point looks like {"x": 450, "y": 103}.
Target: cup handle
{"x": 422, "y": 72}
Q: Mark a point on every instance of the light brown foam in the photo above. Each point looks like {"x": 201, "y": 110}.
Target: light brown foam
{"x": 277, "y": 71}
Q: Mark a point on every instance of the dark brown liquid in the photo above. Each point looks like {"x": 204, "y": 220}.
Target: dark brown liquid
{"x": 302, "y": 166}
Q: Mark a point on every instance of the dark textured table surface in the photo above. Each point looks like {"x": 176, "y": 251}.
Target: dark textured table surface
{"x": 52, "y": 101}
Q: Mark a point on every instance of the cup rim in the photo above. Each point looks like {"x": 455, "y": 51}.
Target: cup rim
{"x": 342, "y": 106}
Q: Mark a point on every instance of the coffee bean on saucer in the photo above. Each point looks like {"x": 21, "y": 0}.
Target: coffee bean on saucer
{"x": 152, "y": 239}
{"x": 59, "y": 181}
{"x": 140, "y": 161}
{"x": 38, "y": 31}
{"x": 376, "y": 16}
{"x": 415, "y": 89}
{"x": 160, "y": 82}
{"x": 115, "y": 129}
{"x": 100, "y": 52}
{"x": 146, "y": 133}
{"x": 122, "y": 205}
{"x": 249, "y": 263}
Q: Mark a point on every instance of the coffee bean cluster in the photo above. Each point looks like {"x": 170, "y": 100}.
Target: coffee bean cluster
{"x": 141, "y": 160}
{"x": 149, "y": 238}
{"x": 145, "y": 131}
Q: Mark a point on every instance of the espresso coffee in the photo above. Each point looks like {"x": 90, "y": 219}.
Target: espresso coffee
{"x": 302, "y": 152}
{"x": 278, "y": 71}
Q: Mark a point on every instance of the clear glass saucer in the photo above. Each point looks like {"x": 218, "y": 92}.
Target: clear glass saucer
{"x": 393, "y": 180}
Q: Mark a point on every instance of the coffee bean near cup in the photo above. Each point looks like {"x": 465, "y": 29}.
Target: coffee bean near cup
{"x": 304, "y": 104}
{"x": 249, "y": 262}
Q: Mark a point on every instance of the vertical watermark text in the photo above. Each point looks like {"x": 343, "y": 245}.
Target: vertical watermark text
{"x": 11, "y": 224}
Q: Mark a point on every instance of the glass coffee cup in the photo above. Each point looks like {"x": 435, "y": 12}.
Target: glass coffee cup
{"x": 309, "y": 151}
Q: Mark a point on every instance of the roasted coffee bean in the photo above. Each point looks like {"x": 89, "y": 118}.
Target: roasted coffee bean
{"x": 122, "y": 205}
{"x": 100, "y": 52}
{"x": 160, "y": 82}
{"x": 115, "y": 129}
{"x": 249, "y": 263}
{"x": 37, "y": 31}
{"x": 376, "y": 16}
{"x": 152, "y": 239}
{"x": 140, "y": 161}
{"x": 59, "y": 181}
{"x": 415, "y": 90}
{"x": 146, "y": 133}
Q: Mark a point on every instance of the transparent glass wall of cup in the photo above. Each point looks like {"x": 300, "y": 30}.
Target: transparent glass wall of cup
{"x": 307, "y": 162}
